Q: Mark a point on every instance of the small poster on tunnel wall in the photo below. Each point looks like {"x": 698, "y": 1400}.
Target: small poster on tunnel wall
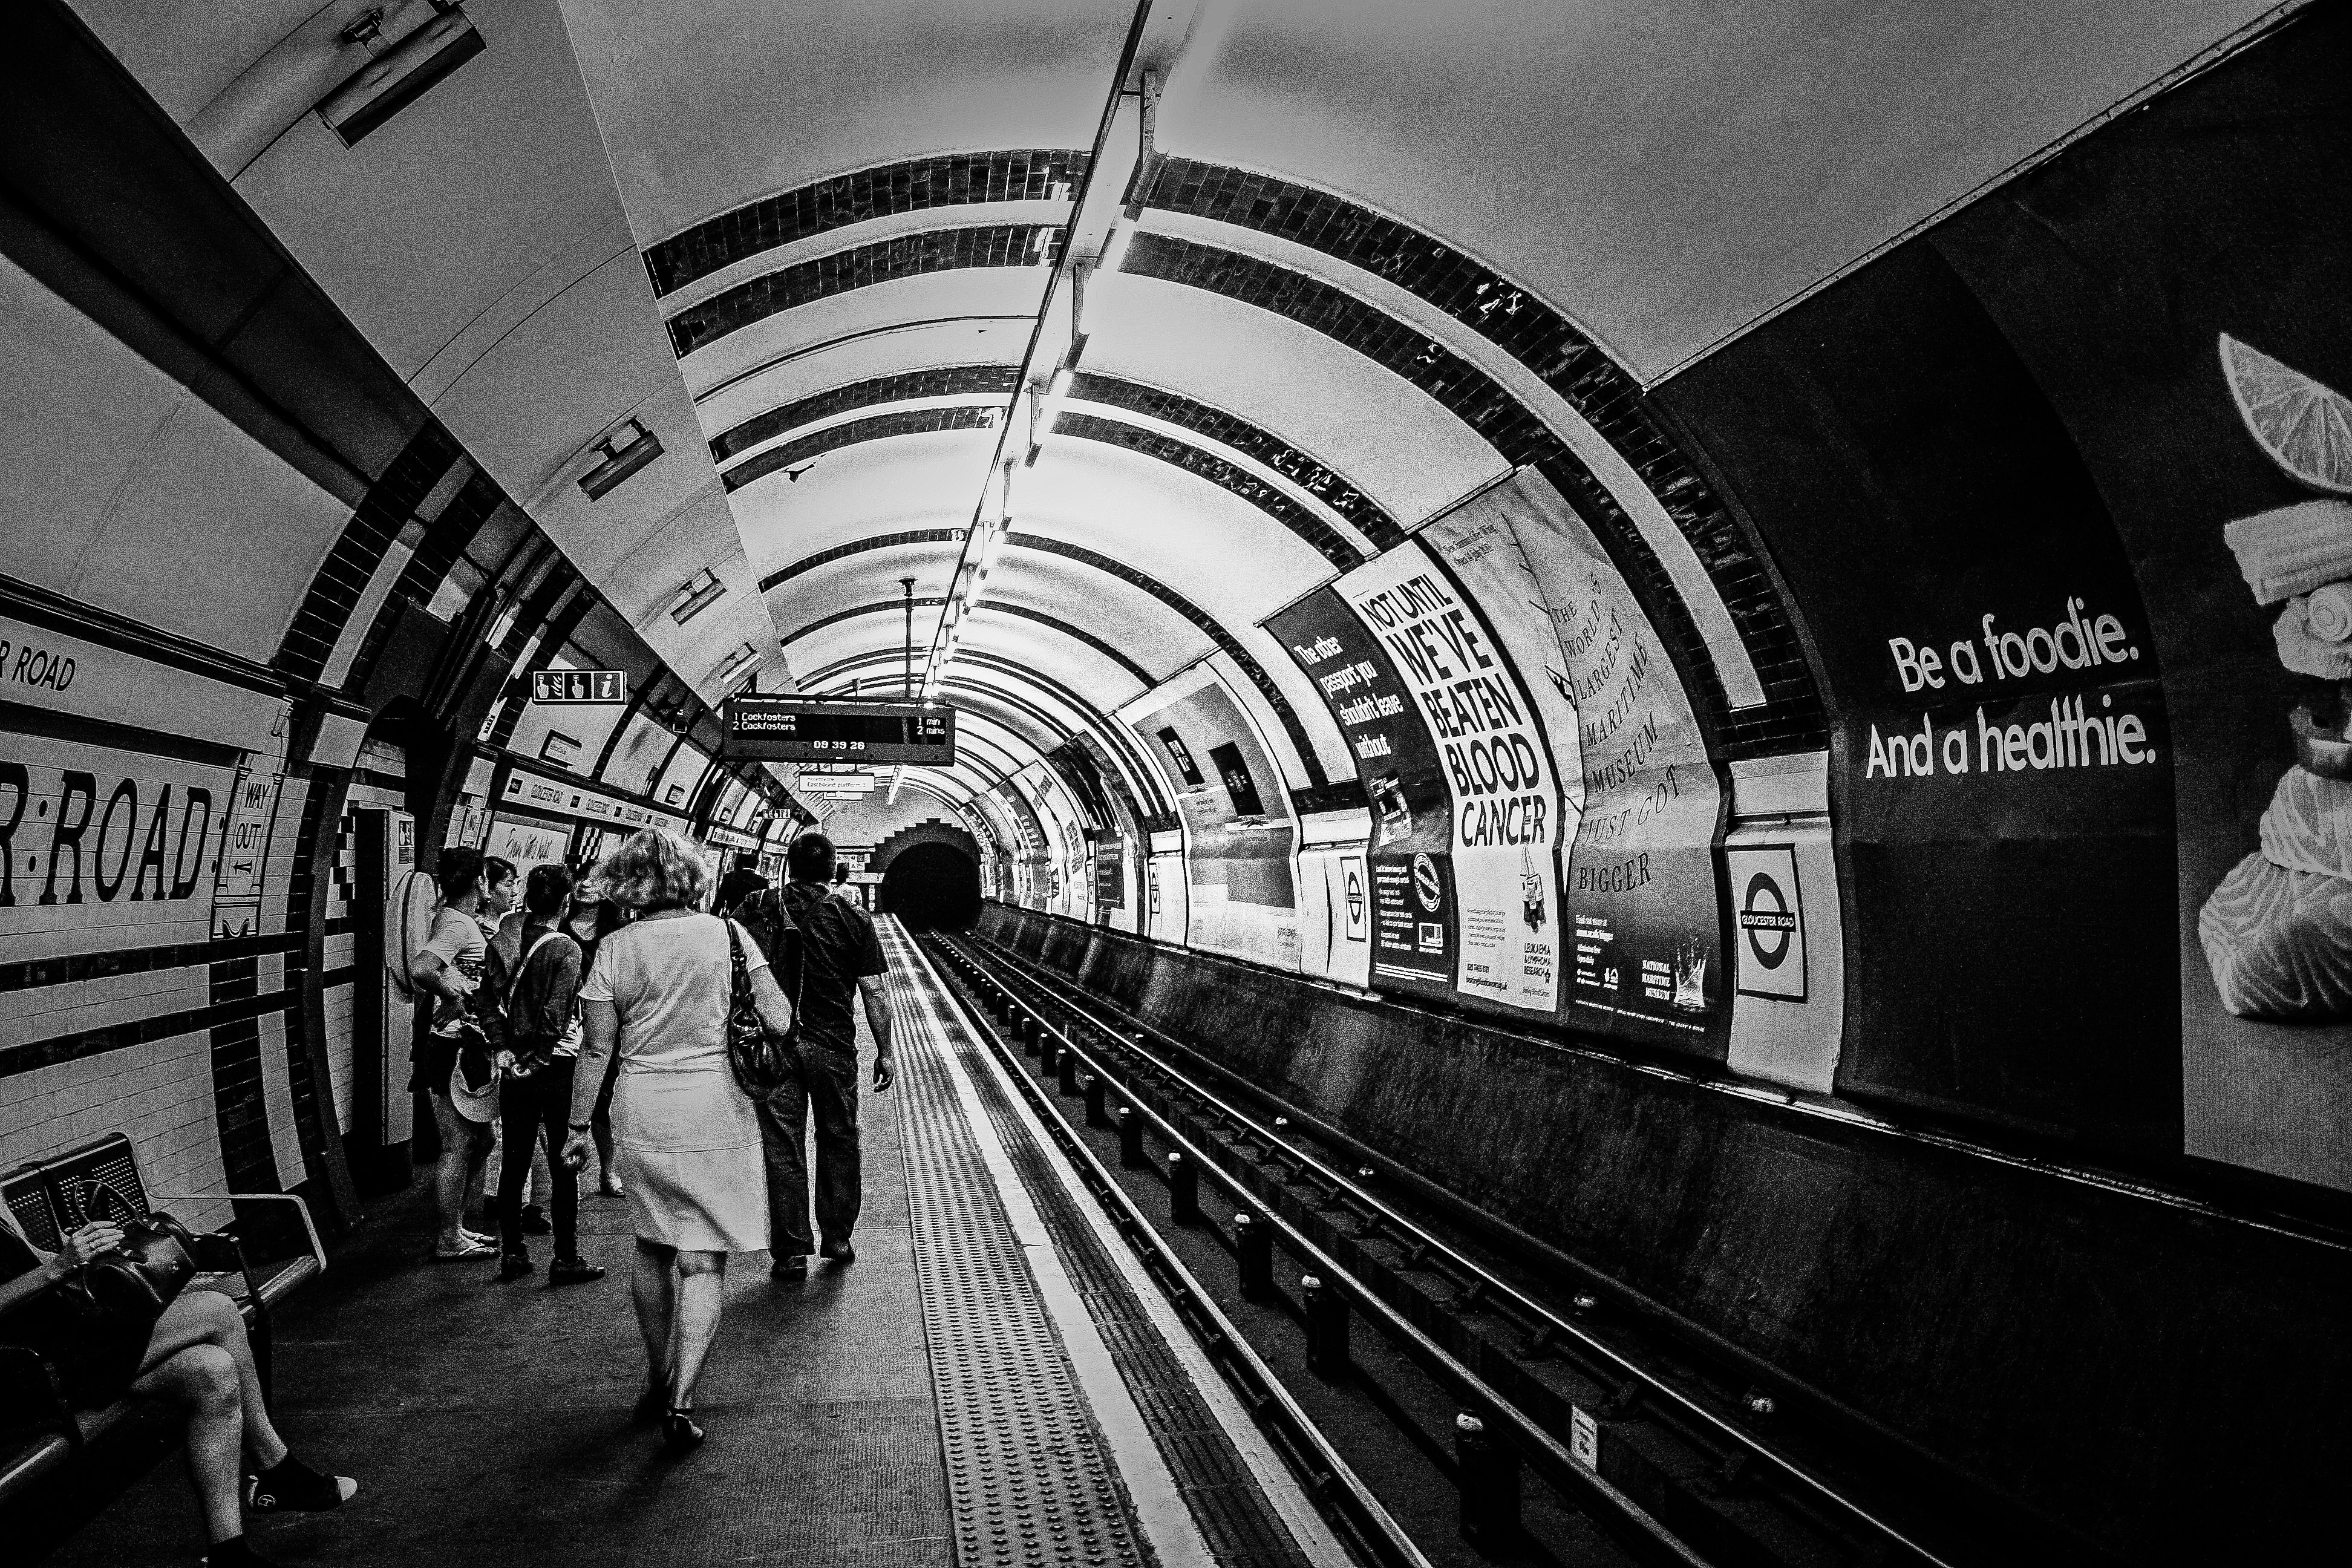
{"x": 1410, "y": 865}
{"x": 1242, "y": 899}
{"x": 1640, "y": 889}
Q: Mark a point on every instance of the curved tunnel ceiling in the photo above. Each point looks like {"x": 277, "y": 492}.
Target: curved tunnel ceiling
{"x": 810, "y": 248}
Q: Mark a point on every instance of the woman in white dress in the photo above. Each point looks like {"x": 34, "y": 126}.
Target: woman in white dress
{"x": 687, "y": 1138}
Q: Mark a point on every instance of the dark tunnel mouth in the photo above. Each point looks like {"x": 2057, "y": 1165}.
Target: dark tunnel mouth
{"x": 932, "y": 886}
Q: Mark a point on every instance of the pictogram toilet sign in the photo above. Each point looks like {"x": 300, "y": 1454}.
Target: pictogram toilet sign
{"x": 1768, "y": 920}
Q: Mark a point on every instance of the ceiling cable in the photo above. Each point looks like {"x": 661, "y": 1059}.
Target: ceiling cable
{"x": 977, "y": 544}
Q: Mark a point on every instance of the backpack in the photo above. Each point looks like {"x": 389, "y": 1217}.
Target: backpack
{"x": 409, "y": 914}
{"x": 764, "y": 916}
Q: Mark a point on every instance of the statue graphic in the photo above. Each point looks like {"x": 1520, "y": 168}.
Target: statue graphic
{"x": 1531, "y": 891}
{"x": 2277, "y": 932}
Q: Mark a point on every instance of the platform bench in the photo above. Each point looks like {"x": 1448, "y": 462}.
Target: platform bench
{"x": 40, "y": 1431}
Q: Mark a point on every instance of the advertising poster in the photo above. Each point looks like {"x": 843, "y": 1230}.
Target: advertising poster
{"x": 1472, "y": 784}
{"x": 529, "y": 842}
{"x": 1640, "y": 884}
{"x": 1110, "y": 874}
{"x": 2176, "y": 285}
{"x": 1027, "y": 857}
{"x": 1078, "y": 774}
{"x": 1410, "y": 905}
{"x": 1238, "y": 833}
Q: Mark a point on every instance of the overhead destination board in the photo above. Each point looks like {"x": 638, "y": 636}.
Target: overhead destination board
{"x": 811, "y": 730}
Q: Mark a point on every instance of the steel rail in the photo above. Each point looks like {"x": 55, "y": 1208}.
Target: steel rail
{"x": 1327, "y": 1477}
{"x": 1495, "y": 1286}
{"x": 1555, "y": 1461}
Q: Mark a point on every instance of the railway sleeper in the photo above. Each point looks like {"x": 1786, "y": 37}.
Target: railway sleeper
{"x": 1678, "y": 1480}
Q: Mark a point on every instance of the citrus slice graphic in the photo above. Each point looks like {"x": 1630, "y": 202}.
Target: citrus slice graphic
{"x": 2304, "y": 427}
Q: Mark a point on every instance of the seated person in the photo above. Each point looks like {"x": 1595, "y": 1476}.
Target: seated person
{"x": 195, "y": 1357}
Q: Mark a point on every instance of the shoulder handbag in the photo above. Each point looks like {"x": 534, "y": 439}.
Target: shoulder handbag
{"x": 760, "y": 1061}
{"x": 131, "y": 1285}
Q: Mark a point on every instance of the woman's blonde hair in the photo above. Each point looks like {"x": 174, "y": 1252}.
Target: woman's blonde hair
{"x": 657, "y": 869}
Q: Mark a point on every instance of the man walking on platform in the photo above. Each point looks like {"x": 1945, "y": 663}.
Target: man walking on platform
{"x": 822, "y": 949}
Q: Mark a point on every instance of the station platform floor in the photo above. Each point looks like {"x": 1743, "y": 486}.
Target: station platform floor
{"x": 994, "y": 1384}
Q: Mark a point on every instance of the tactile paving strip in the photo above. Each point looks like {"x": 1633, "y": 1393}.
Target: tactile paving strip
{"x": 1236, "y": 1522}
{"x": 1028, "y": 1481}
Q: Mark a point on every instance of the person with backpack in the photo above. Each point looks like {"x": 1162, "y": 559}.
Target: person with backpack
{"x": 533, "y": 1021}
{"x": 823, "y": 950}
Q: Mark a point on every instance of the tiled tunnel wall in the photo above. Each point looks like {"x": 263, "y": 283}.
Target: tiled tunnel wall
{"x": 236, "y": 541}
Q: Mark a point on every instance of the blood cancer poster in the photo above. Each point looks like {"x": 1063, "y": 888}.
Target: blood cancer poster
{"x": 1468, "y": 808}
{"x": 1639, "y": 883}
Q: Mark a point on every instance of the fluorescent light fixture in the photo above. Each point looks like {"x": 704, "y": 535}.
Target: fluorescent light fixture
{"x": 624, "y": 455}
{"x": 698, "y": 593}
{"x": 397, "y": 76}
{"x": 736, "y": 662}
{"x": 1062, "y": 379}
{"x": 1114, "y": 247}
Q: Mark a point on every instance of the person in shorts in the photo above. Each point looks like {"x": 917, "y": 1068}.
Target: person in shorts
{"x": 447, "y": 971}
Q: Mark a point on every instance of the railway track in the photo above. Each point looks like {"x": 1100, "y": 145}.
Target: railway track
{"x": 1538, "y": 1398}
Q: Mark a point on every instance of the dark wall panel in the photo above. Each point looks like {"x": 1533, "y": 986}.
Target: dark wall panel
{"x": 2056, "y": 472}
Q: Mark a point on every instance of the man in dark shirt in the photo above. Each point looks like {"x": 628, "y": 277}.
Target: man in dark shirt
{"x": 823, "y": 950}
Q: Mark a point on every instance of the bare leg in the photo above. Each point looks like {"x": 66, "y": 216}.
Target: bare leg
{"x": 209, "y": 1318}
{"x": 477, "y": 1169}
{"x": 653, "y": 1287}
{"x": 202, "y": 1379}
{"x": 456, "y": 1171}
{"x": 600, "y": 1127}
{"x": 700, "y": 1288}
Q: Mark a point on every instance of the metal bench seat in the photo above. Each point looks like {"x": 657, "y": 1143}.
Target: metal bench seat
{"x": 40, "y": 1430}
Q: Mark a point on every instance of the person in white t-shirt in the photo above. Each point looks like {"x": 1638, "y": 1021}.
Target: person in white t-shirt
{"x": 448, "y": 969}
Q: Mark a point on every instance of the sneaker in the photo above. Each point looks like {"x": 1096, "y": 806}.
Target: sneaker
{"x": 515, "y": 1265}
{"x": 840, "y": 1254}
{"x": 790, "y": 1267}
{"x": 292, "y": 1484}
{"x": 468, "y": 1251}
{"x": 535, "y": 1221}
{"x": 574, "y": 1271}
{"x": 478, "y": 1237}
